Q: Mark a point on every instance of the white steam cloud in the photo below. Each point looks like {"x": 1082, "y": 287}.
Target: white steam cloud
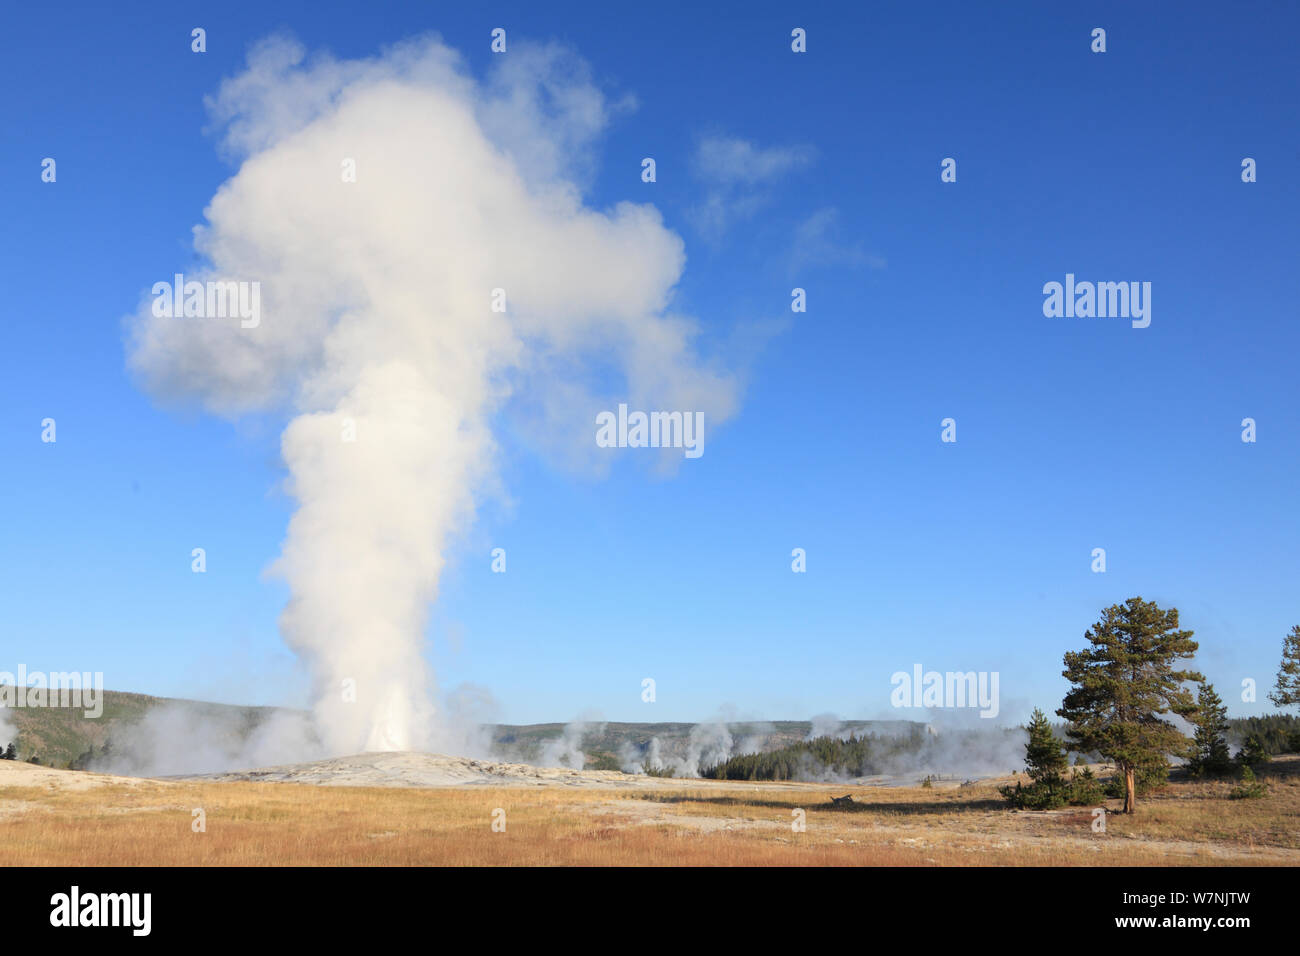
{"x": 185, "y": 737}
{"x": 566, "y": 750}
{"x": 376, "y": 321}
{"x": 8, "y": 729}
{"x": 708, "y": 744}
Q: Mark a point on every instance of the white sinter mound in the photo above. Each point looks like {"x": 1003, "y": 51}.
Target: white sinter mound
{"x": 410, "y": 769}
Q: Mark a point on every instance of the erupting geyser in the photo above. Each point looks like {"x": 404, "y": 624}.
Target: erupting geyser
{"x": 383, "y": 206}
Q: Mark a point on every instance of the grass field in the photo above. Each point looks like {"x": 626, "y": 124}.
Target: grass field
{"x": 61, "y": 820}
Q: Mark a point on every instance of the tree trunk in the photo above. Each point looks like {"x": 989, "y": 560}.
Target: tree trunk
{"x": 1130, "y": 790}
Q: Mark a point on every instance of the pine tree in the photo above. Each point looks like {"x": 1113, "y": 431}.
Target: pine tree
{"x": 1044, "y": 759}
{"x": 1253, "y": 752}
{"x": 1124, "y": 683}
{"x": 1249, "y": 788}
{"x": 1045, "y": 764}
{"x": 1287, "y": 691}
{"x": 11, "y": 753}
{"x": 1212, "y": 754}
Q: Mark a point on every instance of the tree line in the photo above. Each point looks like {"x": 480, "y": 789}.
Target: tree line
{"x": 852, "y": 756}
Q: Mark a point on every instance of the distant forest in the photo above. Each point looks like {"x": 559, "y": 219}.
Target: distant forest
{"x": 855, "y": 756}
{"x": 872, "y": 754}
{"x": 1277, "y": 732}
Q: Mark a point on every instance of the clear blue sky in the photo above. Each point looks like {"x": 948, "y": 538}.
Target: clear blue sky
{"x": 925, "y": 302}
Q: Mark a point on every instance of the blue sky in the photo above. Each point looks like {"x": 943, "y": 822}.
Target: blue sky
{"x": 924, "y": 302}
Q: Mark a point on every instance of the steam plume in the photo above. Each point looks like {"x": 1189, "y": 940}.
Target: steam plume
{"x": 8, "y": 729}
{"x": 376, "y": 318}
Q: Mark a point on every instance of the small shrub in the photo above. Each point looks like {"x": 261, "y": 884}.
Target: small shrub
{"x": 1083, "y": 788}
{"x": 1037, "y": 796}
{"x": 1249, "y": 788}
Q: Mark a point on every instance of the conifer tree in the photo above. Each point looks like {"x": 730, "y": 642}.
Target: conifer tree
{"x": 1253, "y": 752}
{"x": 1044, "y": 759}
{"x": 1287, "y": 691}
{"x": 1212, "y": 754}
{"x": 1045, "y": 764}
{"x": 1124, "y": 682}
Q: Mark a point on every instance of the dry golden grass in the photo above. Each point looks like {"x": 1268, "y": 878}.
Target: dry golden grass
{"x": 696, "y": 823}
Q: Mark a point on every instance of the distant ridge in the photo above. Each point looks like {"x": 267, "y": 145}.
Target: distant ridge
{"x": 59, "y": 736}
